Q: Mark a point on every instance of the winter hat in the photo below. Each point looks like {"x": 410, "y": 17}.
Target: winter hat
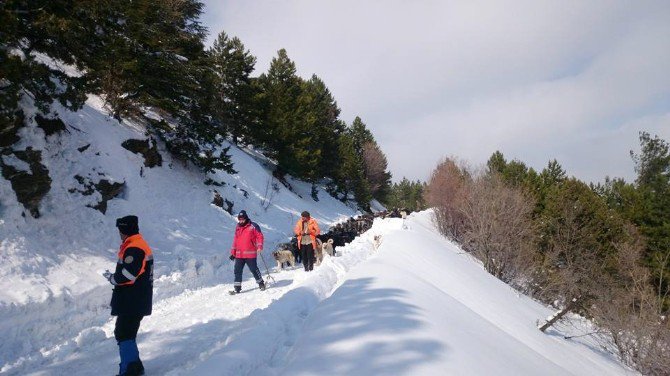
{"x": 128, "y": 225}
{"x": 243, "y": 214}
{"x": 304, "y": 214}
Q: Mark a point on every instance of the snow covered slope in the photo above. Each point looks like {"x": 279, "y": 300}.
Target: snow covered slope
{"x": 50, "y": 283}
{"x": 421, "y": 306}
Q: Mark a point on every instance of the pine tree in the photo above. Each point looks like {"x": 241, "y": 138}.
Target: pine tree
{"x": 407, "y": 194}
{"x": 375, "y": 171}
{"x": 321, "y": 122}
{"x": 374, "y": 160}
{"x": 497, "y": 163}
{"x": 289, "y": 119}
{"x": 52, "y": 28}
{"x": 234, "y": 92}
{"x": 651, "y": 210}
{"x": 350, "y": 178}
{"x": 360, "y": 134}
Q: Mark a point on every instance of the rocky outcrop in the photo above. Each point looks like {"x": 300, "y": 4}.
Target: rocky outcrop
{"x": 107, "y": 189}
{"x": 30, "y": 187}
{"x": 9, "y": 128}
{"x": 50, "y": 126}
{"x": 148, "y": 150}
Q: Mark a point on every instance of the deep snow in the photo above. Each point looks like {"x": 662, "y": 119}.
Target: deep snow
{"x": 417, "y": 305}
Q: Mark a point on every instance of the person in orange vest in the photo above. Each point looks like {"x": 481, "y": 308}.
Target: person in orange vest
{"x": 133, "y": 292}
{"x": 247, "y": 244}
{"x": 306, "y": 231}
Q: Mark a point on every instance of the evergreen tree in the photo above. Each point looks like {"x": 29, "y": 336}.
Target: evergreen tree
{"x": 138, "y": 55}
{"x": 350, "y": 178}
{"x": 407, "y": 194}
{"x": 374, "y": 160}
{"x": 650, "y": 210}
{"x": 285, "y": 133}
{"x": 578, "y": 235}
{"x": 321, "y": 121}
{"x": 51, "y": 28}
{"x": 375, "y": 171}
{"x": 234, "y": 93}
{"x": 496, "y": 163}
{"x": 360, "y": 134}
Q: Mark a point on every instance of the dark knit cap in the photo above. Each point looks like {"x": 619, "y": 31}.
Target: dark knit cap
{"x": 305, "y": 214}
{"x": 128, "y": 225}
{"x": 243, "y": 214}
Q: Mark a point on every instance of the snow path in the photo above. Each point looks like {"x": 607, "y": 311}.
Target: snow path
{"x": 415, "y": 306}
{"x": 190, "y": 327}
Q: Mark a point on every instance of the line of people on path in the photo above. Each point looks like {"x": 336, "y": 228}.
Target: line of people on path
{"x": 133, "y": 277}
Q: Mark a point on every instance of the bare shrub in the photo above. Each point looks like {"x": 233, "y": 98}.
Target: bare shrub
{"x": 630, "y": 312}
{"x": 498, "y": 228}
{"x": 445, "y": 192}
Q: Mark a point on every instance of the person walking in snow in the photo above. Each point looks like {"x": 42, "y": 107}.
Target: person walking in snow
{"x": 306, "y": 231}
{"x": 247, "y": 244}
{"x": 133, "y": 292}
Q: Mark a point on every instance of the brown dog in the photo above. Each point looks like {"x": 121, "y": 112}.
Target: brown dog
{"x": 282, "y": 256}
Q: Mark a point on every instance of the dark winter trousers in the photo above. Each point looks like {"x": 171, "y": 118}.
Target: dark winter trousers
{"x": 253, "y": 267}
{"x": 126, "y": 327}
{"x": 296, "y": 254}
{"x": 125, "y": 332}
{"x": 307, "y": 251}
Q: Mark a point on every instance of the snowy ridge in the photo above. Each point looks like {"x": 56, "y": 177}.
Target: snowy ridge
{"x": 422, "y": 306}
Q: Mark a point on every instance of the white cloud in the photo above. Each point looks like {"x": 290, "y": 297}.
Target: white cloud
{"x": 437, "y": 78}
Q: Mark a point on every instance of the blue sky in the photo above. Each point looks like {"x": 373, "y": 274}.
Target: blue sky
{"x": 538, "y": 80}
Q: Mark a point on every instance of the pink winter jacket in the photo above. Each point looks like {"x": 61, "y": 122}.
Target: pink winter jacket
{"x": 248, "y": 239}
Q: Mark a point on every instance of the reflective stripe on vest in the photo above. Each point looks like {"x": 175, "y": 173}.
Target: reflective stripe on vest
{"x": 134, "y": 241}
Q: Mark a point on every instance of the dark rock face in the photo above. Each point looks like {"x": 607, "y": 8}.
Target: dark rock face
{"x": 9, "y": 128}
{"x": 150, "y": 153}
{"x": 223, "y": 203}
{"x": 50, "y": 126}
{"x": 83, "y": 148}
{"x": 229, "y": 206}
{"x": 30, "y": 187}
{"x": 108, "y": 190}
{"x": 209, "y": 181}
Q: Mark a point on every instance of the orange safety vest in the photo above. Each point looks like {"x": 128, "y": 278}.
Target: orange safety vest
{"x": 312, "y": 229}
{"x": 135, "y": 241}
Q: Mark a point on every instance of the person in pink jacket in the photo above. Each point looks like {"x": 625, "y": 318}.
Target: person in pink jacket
{"x": 247, "y": 244}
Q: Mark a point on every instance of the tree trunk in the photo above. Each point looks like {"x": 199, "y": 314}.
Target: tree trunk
{"x": 558, "y": 315}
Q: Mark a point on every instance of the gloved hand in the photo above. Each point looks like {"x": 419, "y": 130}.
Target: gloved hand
{"x": 232, "y": 257}
{"x": 108, "y": 275}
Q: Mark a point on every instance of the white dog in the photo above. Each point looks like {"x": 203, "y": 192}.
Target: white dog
{"x": 328, "y": 247}
{"x": 318, "y": 252}
{"x": 376, "y": 241}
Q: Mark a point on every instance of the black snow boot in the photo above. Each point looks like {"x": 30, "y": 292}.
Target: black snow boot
{"x": 261, "y": 286}
{"x": 237, "y": 290}
{"x": 135, "y": 368}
